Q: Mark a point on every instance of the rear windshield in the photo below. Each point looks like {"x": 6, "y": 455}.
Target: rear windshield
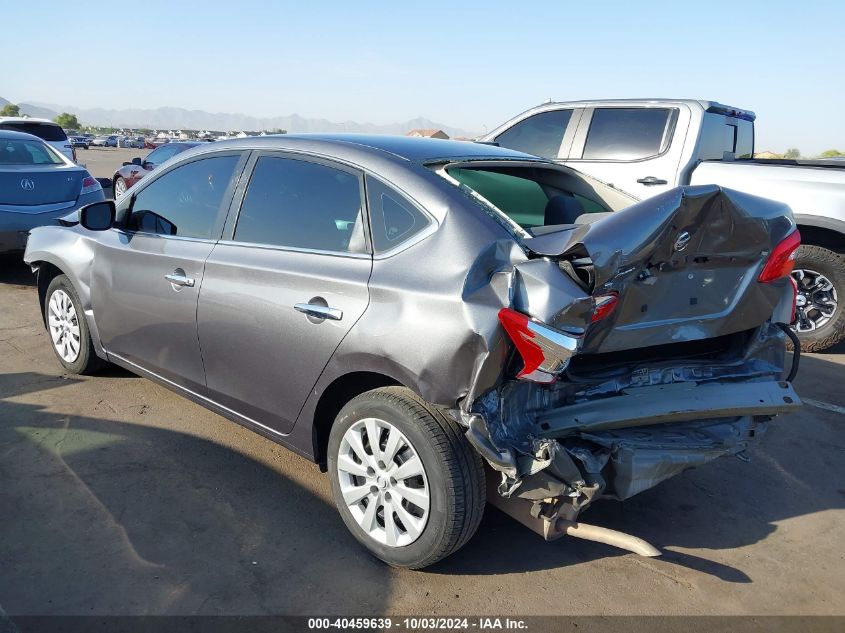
{"x": 526, "y": 201}
{"x": 723, "y": 137}
{"x": 23, "y": 152}
{"x": 46, "y": 131}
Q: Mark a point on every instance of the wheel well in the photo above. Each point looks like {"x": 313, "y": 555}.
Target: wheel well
{"x": 47, "y": 272}
{"x": 826, "y": 238}
{"x": 336, "y": 395}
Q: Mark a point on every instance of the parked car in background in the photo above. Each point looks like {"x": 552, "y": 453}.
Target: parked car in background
{"x": 38, "y": 185}
{"x": 125, "y": 141}
{"x": 105, "y": 141}
{"x": 44, "y": 129}
{"x": 297, "y": 286}
{"x": 132, "y": 172}
{"x": 79, "y": 141}
{"x": 646, "y": 147}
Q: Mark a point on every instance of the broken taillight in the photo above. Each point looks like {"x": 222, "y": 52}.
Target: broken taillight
{"x": 604, "y": 305}
{"x": 781, "y": 259}
{"x": 545, "y": 351}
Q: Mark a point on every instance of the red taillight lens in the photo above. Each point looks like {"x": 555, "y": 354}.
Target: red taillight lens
{"x": 604, "y": 305}
{"x": 781, "y": 258}
{"x": 516, "y": 325}
{"x": 90, "y": 185}
{"x": 545, "y": 351}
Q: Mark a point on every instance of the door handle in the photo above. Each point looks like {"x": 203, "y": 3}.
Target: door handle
{"x": 318, "y": 311}
{"x": 180, "y": 280}
{"x": 651, "y": 180}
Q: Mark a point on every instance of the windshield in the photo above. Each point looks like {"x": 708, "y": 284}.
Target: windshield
{"x": 25, "y": 152}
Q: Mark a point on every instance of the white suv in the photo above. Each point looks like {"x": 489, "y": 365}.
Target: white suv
{"x": 49, "y": 132}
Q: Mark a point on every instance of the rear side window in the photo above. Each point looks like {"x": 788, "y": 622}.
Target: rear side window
{"x": 628, "y": 133}
{"x": 46, "y": 131}
{"x": 393, "y": 217}
{"x": 185, "y": 201}
{"x": 540, "y": 134}
{"x": 298, "y": 204}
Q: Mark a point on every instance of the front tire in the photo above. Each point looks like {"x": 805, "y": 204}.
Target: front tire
{"x": 820, "y": 317}
{"x": 68, "y": 329}
{"x": 406, "y": 482}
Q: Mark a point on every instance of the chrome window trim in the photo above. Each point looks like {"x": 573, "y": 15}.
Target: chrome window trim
{"x": 292, "y": 249}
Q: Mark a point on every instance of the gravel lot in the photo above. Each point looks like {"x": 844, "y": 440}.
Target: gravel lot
{"x": 120, "y": 497}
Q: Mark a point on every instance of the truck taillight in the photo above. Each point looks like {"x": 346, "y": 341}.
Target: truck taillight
{"x": 545, "y": 351}
{"x": 89, "y": 185}
{"x": 604, "y": 304}
{"x": 73, "y": 152}
{"x": 781, "y": 259}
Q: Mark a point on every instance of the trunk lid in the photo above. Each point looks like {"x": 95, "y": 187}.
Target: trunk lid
{"x": 28, "y": 185}
{"x": 685, "y": 264}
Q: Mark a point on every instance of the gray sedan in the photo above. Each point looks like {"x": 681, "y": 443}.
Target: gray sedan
{"x": 421, "y": 316}
{"x": 37, "y": 186}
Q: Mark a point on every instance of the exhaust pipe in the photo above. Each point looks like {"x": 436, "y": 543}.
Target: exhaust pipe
{"x": 607, "y": 536}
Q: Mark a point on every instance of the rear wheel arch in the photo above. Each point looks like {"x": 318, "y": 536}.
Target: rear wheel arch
{"x": 824, "y": 237}
{"x": 340, "y": 391}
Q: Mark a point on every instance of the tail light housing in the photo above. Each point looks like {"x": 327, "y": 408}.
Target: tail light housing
{"x": 604, "y": 305}
{"x": 90, "y": 185}
{"x": 781, "y": 259}
{"x": 545, "y": 351}
{"x": 73, "y": 153}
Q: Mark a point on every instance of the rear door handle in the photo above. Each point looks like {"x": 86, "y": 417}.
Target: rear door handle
{"x": 319, "y": 311}
{"x": 651, "y": 180}
{"x": 179, "y": 280}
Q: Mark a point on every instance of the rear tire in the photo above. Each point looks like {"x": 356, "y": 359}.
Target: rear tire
{"x": 817, "y": 325}
{"x": 68, "y": 329}
{"x": 442, "y": 505}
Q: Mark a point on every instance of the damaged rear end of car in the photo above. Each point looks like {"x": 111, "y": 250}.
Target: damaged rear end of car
{"x": 640, "y": 345}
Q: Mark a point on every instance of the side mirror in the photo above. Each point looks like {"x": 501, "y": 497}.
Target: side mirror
{"x": 97, "y": 216}
{"x": 136, "y": 161}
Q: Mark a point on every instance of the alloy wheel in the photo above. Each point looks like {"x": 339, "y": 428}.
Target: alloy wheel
{"x": 816, "y": 301}
{"x": 63, "y": 322}
{"x": 383, "y": 482}
{"x": 119, "y": 187}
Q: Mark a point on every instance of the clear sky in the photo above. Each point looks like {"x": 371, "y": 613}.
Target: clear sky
{"x": 462, "y": 63}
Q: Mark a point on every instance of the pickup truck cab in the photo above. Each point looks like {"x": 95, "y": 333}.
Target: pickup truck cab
{"x": 647, "y": 146}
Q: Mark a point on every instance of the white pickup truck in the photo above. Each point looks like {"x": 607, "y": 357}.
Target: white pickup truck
{"x": 646, "y": 146}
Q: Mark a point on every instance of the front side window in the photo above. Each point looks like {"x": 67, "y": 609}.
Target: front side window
{"x": 394, "y": 218}
{"x": 627, "y": 133}
{"x": 185, "y": 201}
{"x": 540, "y": 134}
{"x": 298, "y": 204}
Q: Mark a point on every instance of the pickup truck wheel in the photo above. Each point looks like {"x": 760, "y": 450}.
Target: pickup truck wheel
{"x": 819, "y": 315}
{"x": 407, "y": 483}
{"x": 119, "y": 187}
{"x": 68, "y": 328}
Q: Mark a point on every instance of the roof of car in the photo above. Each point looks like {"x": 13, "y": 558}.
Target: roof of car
{"x": 25, "y": 119}
{"x": 415, "y": 149}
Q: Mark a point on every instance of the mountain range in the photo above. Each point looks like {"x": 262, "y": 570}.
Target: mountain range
{"x": 170, "y": 118}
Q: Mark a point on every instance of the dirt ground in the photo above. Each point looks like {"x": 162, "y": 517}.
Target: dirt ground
{"x": 119, "y": 497}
